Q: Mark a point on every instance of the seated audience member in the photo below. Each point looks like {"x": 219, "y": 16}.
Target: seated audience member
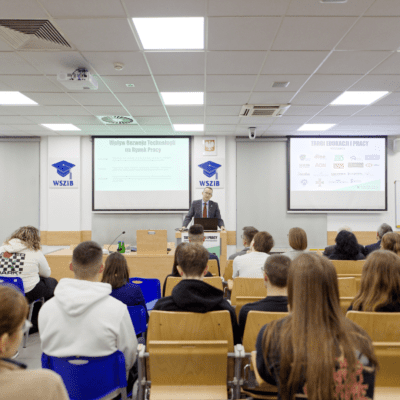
{"x": 249, "y": 265}
{"x": 247, "y": 237}
{"x": 116, "y": 273}
{"x": 297, "y": 241}
{"x": 380, "y": 283}
{"x": 347, "y": 247}
{"x": 192, "y": 294}
{"x": 330, "y": 249}
{"x": 23, "y": 248}
{"x": 16, "y": 382}
{"x": 275, "y": 272}
{"x": 383, "y": 229}
{"x": 175, "y": 273}
{"x": 391, "y": 242}
{"x": 82, "y": 319}
{"x": 196, "y": 236}
{"x": 316, "y": 351}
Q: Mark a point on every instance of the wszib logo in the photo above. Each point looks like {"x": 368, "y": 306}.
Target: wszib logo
{"x": 63, "y": 169}
{"x": 210, "y": 169}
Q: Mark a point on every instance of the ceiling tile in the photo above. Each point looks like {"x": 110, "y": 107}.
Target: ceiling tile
{"x": 99, "y": 34}
{"x": 46, "y": 119}
{"x": 105, "y": 110}
{"x": 223, "y": 110}
{"x": 238, "y": 8}
{"x": 283, "y": 128}
{"x": 21, "y": 9}
{"x": 315, "y": 98}
{"x": 25, "y": 110}
{"x": 378, "y": 82}
{"x": 185, "y": 110}
{"x": 194, "y": 119}
{"x": 387, "y": 8}
{"x": 293, "y": 62}
{"x": 82, "y": 120}
{"x": 82, "y": 9}
{"x": 12, "y": 120}
{"x": 230, "y": 83}
{"x": 326, "y": 119}
{"x": 14, "y": 64}
{"x": 180, "y": 83}
{"x": 257, "y": 121}
{"x": 265, "y": 82}
{"x": 368, "y": 128}
{"x": 103, "y": 62}
{"x": 313, "y": 8}
{"x": 153, "y": 120}
{"x": 95, "y": 99}
{"x": 303, "y": 110}
{"x": 380, "y": 111}
{"x": 341, "y": 110}
{"x": 65, "y": 110}
{"x": 176, "y": 63}
{"x": 373, "y": 33}
{"x": 389, "y": 66}
{"x": 235, "y": 62}
{"x": 326, "y": 83}
{"x": 139, "y": 99}
{"x": 117, "y": 84}
{"x": 352, "y": 62}
{"x": 52, "y": 99}
{"x": 299, "y": 33}
{"x": 216, "y": 120}
{"x": 30, "y": 83}
{"x": 245, "y": 33}
{"x": 271, "y": 97}
{"x": 161, "y": 8}
{"x": 220, "y": 128}
{"x": 226, "y": 99}
{"x": 144, "y": 111}
{"x": 291, "y": 119}
{"x": 392, "y": 99}
{"x": 34, "y": 130}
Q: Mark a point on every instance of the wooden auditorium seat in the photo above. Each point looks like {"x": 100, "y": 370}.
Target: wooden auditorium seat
{"x": 188, "y": 355}
{"x": 384, "y": 330}
{"x": 349, "y": 268}
{"x": 213, "y": 267}
{"x": 347, "y": 286}
{"x": 172, "y": 281}
{"x": 228, "y": 270}
{"x": 72, "y": 246}
{"x": 247, "y": 287}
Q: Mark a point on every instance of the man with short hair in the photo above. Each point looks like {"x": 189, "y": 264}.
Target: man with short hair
{"x": 275, "y": 272}
{"x": 384, "y": 228}
{"x": 192, "y": 294}
{"x": 196, "y": 236}
{"x": 247, "y": 237}
{"x": 204, "y": 208}
{"x": 248, "y": 265}
{"x": 82, "y": 319}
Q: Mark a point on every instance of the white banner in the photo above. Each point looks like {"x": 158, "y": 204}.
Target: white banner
{"x": 209, "y": 172}
{"x": 212, "y": 242}
{"x": 64, "y": 173}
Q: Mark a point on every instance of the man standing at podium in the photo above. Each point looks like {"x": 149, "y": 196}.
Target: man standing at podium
{"x": 204, "y": 208}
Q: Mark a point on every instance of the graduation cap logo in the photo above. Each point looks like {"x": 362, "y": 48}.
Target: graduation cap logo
{"x": 209, "y": 168}
{"x": 63, "y": 168}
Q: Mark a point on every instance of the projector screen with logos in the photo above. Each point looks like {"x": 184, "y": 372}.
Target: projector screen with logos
{"x": 337, "y": 174}
{"x": 141, "y": 174}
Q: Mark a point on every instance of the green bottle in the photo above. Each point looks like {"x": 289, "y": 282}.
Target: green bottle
{"x": 123, "y": 247}
{"x": 119, "y": 247}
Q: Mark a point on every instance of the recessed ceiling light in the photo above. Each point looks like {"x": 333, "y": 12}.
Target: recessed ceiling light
{"x": 61, "y": 127}
{"x": 171, "y": 33}
{"x": 357, "y": 98}
{"x": 183, "y": 98}
{"x": 315, "y": 127}
{"x": 15, "y": 99}
{"x": 189, "y": 127}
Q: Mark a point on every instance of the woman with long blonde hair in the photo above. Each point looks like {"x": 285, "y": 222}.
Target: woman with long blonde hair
{"x": 21, "y": 255}
{"x": 315, "y": 351}
{"x": 380, "y": 283}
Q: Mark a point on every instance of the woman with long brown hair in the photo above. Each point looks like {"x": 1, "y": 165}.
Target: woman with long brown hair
{"x": 116, "y": 273}
{"x": 391, "y": 241}
{"x": 297, "y": 241}
{"x": 380, "y": 283}
{"x": 315, "y": 350}
{"x": 20, "y": 255}
{"x": 16, "y": 382}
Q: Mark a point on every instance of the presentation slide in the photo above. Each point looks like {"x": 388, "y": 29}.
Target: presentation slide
{"x": 337, "y": 173}
{"x": 141, "y": 173}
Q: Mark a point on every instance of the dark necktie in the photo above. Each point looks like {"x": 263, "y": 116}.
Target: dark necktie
{"x": 205, "y": 211}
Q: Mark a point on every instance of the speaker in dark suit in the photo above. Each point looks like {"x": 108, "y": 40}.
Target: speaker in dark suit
{"x": 204, "y": 208}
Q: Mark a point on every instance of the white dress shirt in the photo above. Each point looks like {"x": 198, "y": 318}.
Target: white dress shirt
{"x": 249, "y": 265}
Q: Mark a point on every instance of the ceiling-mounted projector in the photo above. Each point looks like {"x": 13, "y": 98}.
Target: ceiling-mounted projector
{"x": 80, "y": 79}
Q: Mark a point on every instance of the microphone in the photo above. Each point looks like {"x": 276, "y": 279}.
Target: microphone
{"x": 115, "y": 240}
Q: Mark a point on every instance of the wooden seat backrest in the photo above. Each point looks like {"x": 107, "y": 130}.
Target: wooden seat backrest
{"x": 254, "y": 322}
{"x": 228, "y": 270}
{"x": 248, "y": 287}
{"x": 345, "y": 303}
{"x": 213, "y": 267}
{"x": 348, "y": 267}
{"x": 72, "y": 246}
{"x": 347, "y": 287}
{"x": 172, "y": 281}
{"x": 243, "y": 300}
{"x": 356, "y": 276}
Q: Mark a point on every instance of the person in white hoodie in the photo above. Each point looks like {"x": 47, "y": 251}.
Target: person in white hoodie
{"x": 20, "y": 255}
{"x": 82, "y": 319}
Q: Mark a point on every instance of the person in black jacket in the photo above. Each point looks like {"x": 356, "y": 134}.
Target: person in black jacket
{"x": 194, "y": 295}
{"x": 347, "y": 247}
{"x": 384, "y": 228}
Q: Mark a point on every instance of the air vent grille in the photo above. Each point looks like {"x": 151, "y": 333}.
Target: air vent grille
{"x": 280, "y": 84}
{"x": 263, "y": 110}
{"x": 117, "y": 120}
{"x": 32, "y": 34}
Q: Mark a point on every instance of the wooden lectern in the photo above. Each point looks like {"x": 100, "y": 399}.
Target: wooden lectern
{"x": 151, "y": 242}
